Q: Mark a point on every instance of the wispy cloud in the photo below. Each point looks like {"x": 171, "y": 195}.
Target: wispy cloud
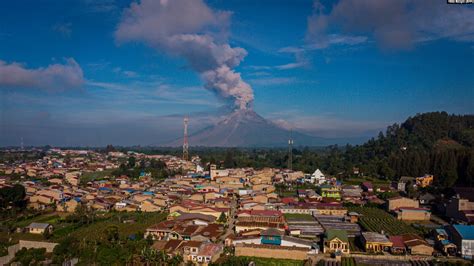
{"x": 292, "y": 65}
{"x": 156, "y": 91}
{"x": 297, "y": 64}
{"x": 328, "y": 41}
{"x": 272, "y": 81}
{"x": 326, "y": 125}
{"x": 65, "y": 29}
{"x": 126, "y": 73}
{"x": 101, "y": 6}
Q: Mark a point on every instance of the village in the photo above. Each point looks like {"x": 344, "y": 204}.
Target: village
{"x": 206, "y": 215}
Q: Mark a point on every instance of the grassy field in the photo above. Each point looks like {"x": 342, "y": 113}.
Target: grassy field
{"x": 287, "y": 193}
{"x": 97, "y": 230}
{"x": 90, "y": 176}
{"x": 50, "y": 218}
{"x": 93, "y": 231}
{"x": 359, "y": 180}
{"x": 376, "y": 220}
{"x": 263, "y": 261}
{"x": 298, "y": 216}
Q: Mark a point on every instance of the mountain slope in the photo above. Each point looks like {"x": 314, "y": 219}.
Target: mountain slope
{"x": 245, "y": 128}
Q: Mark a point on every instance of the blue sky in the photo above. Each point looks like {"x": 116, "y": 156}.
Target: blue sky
{"x": 91, "y": 73}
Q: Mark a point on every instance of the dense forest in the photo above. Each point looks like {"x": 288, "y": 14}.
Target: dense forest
{"x": 436, "y": 143}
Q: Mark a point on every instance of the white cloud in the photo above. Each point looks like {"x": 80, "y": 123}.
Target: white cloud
{"x": 392, "y": 24}
{"x": 55, "y": 77}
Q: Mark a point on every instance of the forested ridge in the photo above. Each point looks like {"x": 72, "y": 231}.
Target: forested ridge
{"x": 435, "y": 143}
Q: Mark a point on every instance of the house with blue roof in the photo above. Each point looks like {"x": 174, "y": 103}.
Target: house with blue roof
{"x": 463, "y": 237}
{"x": 443, "y": 243}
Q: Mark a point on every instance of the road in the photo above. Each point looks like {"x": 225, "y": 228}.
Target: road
{"x": 230, "y": 220}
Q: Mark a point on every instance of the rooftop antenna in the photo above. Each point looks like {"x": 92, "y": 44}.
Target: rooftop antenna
{"x": 290, "y": 152}
{"x": 185, "y": 140}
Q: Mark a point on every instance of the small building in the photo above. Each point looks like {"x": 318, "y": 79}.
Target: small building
{"x": 413, "y": 214}
{"x": 318, "y": 177}
{"x": 353, "y": 217}
{"x": 375, "y": 242}
{"x": 39, "y": 228}
{"x": 426, "y": 199}
{"x": 403, "y": 181}
{"x": 398, "y": 246}
{"x": 271, "y": 236}
{"x": 424, "y": 181}
{"x": 443, "y": 243}
{"x": 367, "y": 186}
{"x": 463, "y": 237}
{"x": 399, "y": 202}
{"x": 331, "y": 192}
{"x": 417, "y": 245}
{"x": 336, "y": 241}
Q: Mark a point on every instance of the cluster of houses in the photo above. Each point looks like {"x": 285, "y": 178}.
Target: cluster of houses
{"x": 244, "y": 209}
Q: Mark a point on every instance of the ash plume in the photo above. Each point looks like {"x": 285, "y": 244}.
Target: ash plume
{"x": 191, "y": 30}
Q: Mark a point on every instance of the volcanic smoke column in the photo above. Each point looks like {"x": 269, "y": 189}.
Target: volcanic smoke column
{"x": 191, "y": 30}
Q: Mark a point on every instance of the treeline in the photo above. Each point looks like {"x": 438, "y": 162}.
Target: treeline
{"x": 134, "y": 169}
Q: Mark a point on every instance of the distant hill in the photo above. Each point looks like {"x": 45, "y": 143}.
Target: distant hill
{"x": 436, "y": 143}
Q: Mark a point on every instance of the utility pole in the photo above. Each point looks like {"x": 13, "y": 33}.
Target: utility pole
{"x": 290, "y": 153}
{"x": 185, "y": 140}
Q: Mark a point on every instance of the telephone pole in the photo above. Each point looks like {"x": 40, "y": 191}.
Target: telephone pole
{"x": 290, "y": 153}
{"x": 185, "y": 140}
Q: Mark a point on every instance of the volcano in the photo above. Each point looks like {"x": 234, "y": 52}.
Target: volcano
{"x": 245, "y": 128}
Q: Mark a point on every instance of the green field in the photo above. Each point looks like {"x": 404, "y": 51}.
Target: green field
{"x": 360, "y": 180}
{"x": 259, "y": 261}
{"x": 97, "y": 230}
{"x": 376, "y": 220}
{"x": 298, "y": 216}
{"x": 50, "y": 218}
{"x": 93, "y": 231}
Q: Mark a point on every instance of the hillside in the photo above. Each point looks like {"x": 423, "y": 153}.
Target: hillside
{"x": 436, "y": 143}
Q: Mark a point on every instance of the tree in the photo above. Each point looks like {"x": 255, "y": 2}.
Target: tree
{"x": 65, "y": 250}
{"x": 175, "y": 260}
{"x": 112, "y": 233}
{"x": 32, "y": 256}
{"x": 222, "y": 218}
{"x": 109, "y": 148}
{"x": 131, "y": 162}
{"x": 229, "y": 161}
{"x": 13, "y": 197}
